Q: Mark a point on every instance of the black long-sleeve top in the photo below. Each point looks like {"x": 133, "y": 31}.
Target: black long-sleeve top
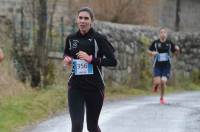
{"x": 102, "y": 53}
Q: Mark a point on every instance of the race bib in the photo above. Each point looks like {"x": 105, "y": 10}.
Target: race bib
{"x": 81, "y": 67}
{"x": 163, "y": 57}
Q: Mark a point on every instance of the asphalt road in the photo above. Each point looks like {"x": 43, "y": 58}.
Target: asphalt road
{"x": 141, "y": 114}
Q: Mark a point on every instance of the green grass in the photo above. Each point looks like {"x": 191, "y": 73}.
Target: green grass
{"x": 30, "y": 107}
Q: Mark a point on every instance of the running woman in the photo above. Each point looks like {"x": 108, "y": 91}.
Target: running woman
{"x": 87, "y": 51}
{"x": 161, "y": 49}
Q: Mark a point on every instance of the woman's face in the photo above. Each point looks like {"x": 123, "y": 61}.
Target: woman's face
{"x": 84, "y": 22}
{"x": 163, "y": 34}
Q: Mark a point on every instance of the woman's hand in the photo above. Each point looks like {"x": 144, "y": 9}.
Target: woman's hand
{"x": 67, "y": 61}
{"x": 84, "y": 56}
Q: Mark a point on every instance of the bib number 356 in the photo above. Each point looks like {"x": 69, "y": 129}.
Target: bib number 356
{"x": 81, "y": 67}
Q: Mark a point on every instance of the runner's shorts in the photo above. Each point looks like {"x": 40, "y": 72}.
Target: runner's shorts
{"x": 162, "y": 71}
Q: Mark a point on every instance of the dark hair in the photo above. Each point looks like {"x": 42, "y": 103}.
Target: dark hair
{"x": 87, "y": 9}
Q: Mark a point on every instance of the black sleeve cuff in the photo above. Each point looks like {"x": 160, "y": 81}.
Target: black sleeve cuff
{"x": 96, "y": 61}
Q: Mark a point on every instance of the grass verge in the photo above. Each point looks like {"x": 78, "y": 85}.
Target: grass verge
{"x": 29, "y": 107}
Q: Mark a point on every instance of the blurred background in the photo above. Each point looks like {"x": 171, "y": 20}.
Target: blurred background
{"x": 32, "y": 36}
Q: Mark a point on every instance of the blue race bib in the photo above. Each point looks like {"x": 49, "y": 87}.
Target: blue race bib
{"x": 163, "y": 57}
{"x": 81, "y": 67}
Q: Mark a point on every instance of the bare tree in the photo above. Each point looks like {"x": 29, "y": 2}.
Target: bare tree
{"x": 178, "y": 11}
{"x": 35, "y": 59}
{"x": 51, "y": 18}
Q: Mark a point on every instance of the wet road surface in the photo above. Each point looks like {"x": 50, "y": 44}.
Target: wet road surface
{"x": 141, "y": 114}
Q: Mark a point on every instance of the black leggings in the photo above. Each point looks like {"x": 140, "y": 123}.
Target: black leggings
{"x": 93, "y": 101}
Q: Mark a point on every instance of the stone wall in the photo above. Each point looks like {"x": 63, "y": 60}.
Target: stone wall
{"x": 131, "y": 44}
